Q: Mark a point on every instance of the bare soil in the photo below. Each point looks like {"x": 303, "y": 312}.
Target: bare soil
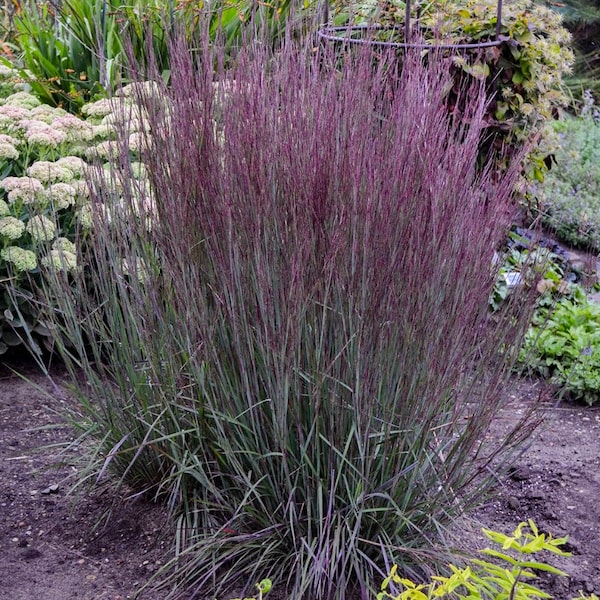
{"x": 56, "y": 545}
{"x": 60, "y": 546}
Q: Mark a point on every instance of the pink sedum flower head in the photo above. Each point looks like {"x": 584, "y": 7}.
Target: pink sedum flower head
{"x": 75, "y": 164}
{"x": 62, "y": 195}
{"x": 74, "y": 128}
{"x": 8, "y": 152}
{"x": 23, "y": 189}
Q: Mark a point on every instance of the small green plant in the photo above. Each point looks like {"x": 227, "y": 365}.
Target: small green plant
{"x": 505, "y": 575}
{"x": 264, "y": 587}
{"x": 563, "y": 344}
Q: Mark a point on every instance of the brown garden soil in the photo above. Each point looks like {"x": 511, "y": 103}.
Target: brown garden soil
{"x": 60, "y": 546}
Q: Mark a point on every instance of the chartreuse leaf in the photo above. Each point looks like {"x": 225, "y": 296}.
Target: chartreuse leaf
{"x": 505, "y": 557}
{"x": 538, "y": 566}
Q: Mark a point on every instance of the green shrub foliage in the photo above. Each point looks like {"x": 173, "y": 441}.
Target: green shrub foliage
{"x": 571, "y": 193}
{"x": 523, "y": 71}
{"x": 506, "y": 573}
{"x": 564, "y": 345}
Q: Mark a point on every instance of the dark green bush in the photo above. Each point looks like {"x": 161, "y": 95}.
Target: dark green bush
{"x": 571, "y": 193}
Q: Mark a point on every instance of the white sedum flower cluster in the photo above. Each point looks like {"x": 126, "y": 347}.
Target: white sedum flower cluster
{"x": 48, "y": 171}
{"x": 52, "y": 143}
{"x": 11, "y": 228}
{"x": 38, "y": 132}
{"x": 41, "y": 228}
{"x": 62, "y": 256}
{"x": 8, "y": 152}
{"x": 19, "y": 258}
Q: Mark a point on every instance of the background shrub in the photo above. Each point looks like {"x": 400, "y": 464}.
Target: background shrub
{"x": 75, "y": 51}
{"x": 523, "y": 73}
{"x": 571, "y": 205}
{"x": 286, "y": 334}
{"x": 563, "y": 345}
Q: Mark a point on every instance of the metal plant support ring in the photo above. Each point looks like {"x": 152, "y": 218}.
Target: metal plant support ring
{"x": 343, "y": 33}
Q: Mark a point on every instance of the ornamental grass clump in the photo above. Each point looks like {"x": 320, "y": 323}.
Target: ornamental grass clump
{"x": 297, "y": 354}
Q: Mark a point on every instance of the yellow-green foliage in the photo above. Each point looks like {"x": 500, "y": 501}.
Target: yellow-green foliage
{"x": 505, "y": 578}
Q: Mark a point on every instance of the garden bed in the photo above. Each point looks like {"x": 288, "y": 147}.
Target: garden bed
{"x": 50, "y": 549}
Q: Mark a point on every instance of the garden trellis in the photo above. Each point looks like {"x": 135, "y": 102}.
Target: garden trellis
{"x": 346, "y": 33}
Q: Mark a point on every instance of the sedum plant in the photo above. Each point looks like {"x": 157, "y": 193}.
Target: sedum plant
{"x": 44, "y": 200}
{"x": 41, "y": 191}
{"x": 283, "y": 336}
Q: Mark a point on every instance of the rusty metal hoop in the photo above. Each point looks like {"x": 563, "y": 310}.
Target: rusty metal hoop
{"x": 342, "y": 33}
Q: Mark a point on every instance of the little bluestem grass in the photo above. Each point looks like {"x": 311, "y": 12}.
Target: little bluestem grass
{"x": 287, "y": 339}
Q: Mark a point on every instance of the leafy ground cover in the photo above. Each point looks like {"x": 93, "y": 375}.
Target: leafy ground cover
{"x": 562, "y": 341}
